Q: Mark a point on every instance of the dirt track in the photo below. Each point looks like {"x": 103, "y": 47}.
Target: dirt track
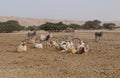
{"x": 103, "y": 60}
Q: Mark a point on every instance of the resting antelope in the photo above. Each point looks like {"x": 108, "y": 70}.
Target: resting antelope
{"x": 82, "y": 48}
{"x": 22, "y": 47}
{"x": 38, "y": 45}
{"x": 68, "y": 46}
{"x": 45, "y": 38}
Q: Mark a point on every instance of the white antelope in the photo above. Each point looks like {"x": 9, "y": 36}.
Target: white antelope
{"x": 44, "y": 38}
{"x": 68, "y": 46}
{"x": 65, "y": 45}
{"x": 38, "y": 45}
{"x": 82, "y": 48}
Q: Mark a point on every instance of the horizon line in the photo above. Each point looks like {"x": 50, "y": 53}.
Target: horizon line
{"x": 57, "y": 18}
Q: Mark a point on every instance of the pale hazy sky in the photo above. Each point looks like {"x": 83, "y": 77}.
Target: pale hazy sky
{"x": 62, "y": 9}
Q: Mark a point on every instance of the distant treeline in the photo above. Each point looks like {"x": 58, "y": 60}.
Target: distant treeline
{"x": 13, "y": 25}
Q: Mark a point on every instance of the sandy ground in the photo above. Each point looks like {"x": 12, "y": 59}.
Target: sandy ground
{"x": 102, "y": 61}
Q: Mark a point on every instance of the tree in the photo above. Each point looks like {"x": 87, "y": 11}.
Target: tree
{"x": 87, "y": 25}
{"x": 32, "y": 28}
{"x": 95, "y": 24}
{"x": 47, "y": 26}
{"x": 75, "y": 26}
{"x": 10, "y": 26}
{"x": 53, "y": 26}
{"x": 109, "y": 26}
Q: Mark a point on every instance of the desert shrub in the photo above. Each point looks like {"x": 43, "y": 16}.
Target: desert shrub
{"x": 32, "y": 28}
{"x": 75, "y": 26}
{"x": 53, "y": 26}
{"x": 10, "y": 26}
{"x": 95, "y": 24}
{"x": 109, "y": 26}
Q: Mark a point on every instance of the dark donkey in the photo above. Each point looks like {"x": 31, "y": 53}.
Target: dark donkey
{"x": 98, "y": 36}
{"x": 31, "y": 34}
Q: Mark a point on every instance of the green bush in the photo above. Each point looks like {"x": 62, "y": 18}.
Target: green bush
{"x": 95, "y": 24}
{"x": 32, "y": 28}
{"x": 10, "y": 26}
{"x": 53, "y": 26}
{"x": 109, "y": 26}
{"x": 75, "y": 26}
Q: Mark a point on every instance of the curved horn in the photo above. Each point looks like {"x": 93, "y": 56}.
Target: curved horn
{"x": 76, "y": 39}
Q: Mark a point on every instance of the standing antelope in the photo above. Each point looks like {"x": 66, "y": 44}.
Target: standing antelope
{"x": 31, "y": 34}
{"x": 98, "y": 36}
